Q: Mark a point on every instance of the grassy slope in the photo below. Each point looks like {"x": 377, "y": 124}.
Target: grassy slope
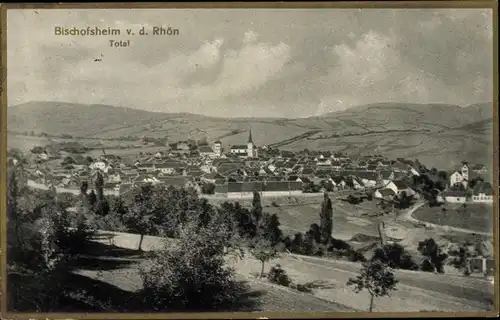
{"x": 477, "y": 217}
{"x": 455, "y": 133}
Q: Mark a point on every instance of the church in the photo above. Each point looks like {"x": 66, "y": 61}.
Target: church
{"x": 249, "y": 150}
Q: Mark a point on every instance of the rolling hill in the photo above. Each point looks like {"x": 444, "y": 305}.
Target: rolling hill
{"x": 437, "y": 134}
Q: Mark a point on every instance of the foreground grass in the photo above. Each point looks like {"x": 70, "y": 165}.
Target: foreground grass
{"x": 476, "y": 217}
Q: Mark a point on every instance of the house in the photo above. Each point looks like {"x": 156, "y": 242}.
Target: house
{"x": 266, "y": 188}
{"x": 454, "y": 196}
{"x": 413, "y": 172}
{"x": 482, "y": 192}
{"x": 353, "y": 183}
{"x": 218, "y": 148}
{"x": 206, "y": 151}
{"x": 99, "y": 165}
{"x": 369, "y": 179}
{"x": 158, "y": 155}
{"x": 183, "y": 146}
{"x": 400, "y": 167}
{"x": 44, "y": 156}
{"x": 338, "y": 182}
{"x": 111, "y": 188}
{"x": 479, "y": 168}
{"x": 460, "y": 176}
{"x": 146, "y": 178}
{"x": 169, "y": 167}
{"x": 386, "y": 176}
{"x": 384, "y": 194}
{"x": 213, "y": 177}
{"x": 146, "y": 167}
{"x": 400, "y": 186}
{"x": 114, "y": 177}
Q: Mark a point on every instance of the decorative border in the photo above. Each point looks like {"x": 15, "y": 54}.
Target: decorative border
{"x": 492, "y": 4}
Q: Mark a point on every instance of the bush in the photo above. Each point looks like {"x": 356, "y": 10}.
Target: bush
{"x": 355, "y": 256}
{"x": 74, "y": 240}
{"x": 191, "y": 274}
{"x": 427, "y": 266}
{"x": 303, "y": 288}
{"x": 279, "y": 276}
{"x": 395, "y": 256}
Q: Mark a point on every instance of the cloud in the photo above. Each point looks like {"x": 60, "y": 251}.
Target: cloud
{"x": 250, "y": 36}
{"x": 224, "y": 62}
{"x": 373, "y": 70}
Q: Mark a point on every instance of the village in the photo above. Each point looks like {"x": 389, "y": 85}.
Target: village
{"x": 240, "y": 170}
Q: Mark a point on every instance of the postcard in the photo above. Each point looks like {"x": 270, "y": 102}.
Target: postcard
{"x": 249, "y": 160}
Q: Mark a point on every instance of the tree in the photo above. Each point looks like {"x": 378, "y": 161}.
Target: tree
{"x": 203, "y": 141}
{"x": 435, "y": 258}
{"x": 208, "y": 188}
{"x": 375, "y": 277}
{"x": 462, "y": 261}
{"x": 102, "y": 205}
{"x": 140, "y": 217}
{"x": 84, "y": 188}
{"x": 270, "y": 228}
{"x": 256, "y": 208}
{"x": 395, "y": 256}
{"x": 68, "y": 160}
{"x": 192, "y": 272}
{"x": 326, "y": 219}
{"x": 92, "y": 198}
{"x": 264, "y": 251}
{"x": 314, "y": 232}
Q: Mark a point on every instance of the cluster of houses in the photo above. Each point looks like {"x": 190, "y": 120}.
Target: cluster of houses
{"x": 242, "y": 170}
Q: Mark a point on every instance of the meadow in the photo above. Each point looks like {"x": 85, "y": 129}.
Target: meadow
{"x": 477, "y": 217}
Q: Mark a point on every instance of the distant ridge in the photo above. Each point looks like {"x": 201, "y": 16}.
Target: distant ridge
{"x": 439, "y": 132}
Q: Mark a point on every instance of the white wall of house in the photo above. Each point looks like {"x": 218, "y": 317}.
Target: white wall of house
{"x": 455, "y": 199}
{"x": 369, "y": 183}
{"x": 167, "y": 170}
{"x": 238, "y": 151}
{"x": 455, "y": 178}
{"x": 245, "y": 195}
{"x": 482, "y": 198}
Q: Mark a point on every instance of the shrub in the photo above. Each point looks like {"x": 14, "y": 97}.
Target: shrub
{"x": 279, "y": 276}
{"x": 303, "y": 288}
{"x": 395, "y": 256}
{"x": 427, "y": 266}
{"x": 74, "y": 240}
{"x": 191, "y": 274}
{"x": 355, "y": 256}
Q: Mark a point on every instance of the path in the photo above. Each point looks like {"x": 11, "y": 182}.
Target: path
{"x": 407, "y": 215}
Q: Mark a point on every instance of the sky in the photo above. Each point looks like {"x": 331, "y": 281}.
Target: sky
{"x": 253, "y": 62}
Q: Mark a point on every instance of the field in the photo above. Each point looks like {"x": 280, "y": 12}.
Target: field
{"x": 477, "y": 217}
{"x": 438, "y": 135}
{"x": 26, "y": 143}
{"x": 330, "y": 293}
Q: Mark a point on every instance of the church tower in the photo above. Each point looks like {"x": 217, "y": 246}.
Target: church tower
{"x": 465, "y": 172}
{"x": 218, "y": 148}
{"x": 250, "y": 145}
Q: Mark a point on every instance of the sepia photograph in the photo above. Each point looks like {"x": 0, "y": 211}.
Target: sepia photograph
{"x": 249, "y": 160}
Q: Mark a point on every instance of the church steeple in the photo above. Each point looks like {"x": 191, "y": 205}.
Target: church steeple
{"x": 250, "y": 136}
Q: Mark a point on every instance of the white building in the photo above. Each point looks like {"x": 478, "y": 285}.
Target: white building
{"x": 218, "y": 148}
{"x": 249, "y": 151}
{"x": 454, "y": 196}
{"x": 460, "y": 176}
{"x": 399, "y": 187}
